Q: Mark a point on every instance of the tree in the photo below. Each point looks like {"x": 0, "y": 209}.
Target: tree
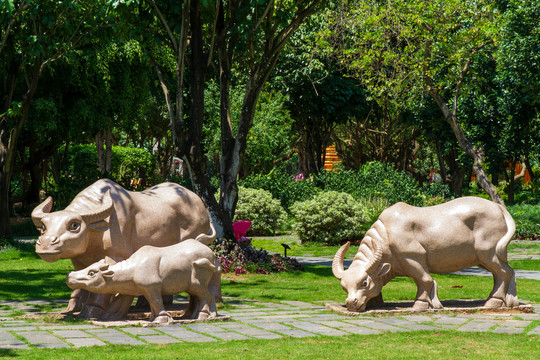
{"x": 239, "y": 43}
{"x": 407, "y": 48}
{"x": 32, "y": 35}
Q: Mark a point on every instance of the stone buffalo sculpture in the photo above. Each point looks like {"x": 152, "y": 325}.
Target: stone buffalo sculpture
{"x": 414, "y": 242}
{"x": 106, "y": 220}
{"x": 155, "y": 271}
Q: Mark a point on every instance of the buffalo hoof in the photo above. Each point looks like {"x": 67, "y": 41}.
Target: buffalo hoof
{"x": 203, "y": 316}
{"x": 420, "y": 306}
{"x": 162, "y": 319}
{"x": 494, "y": 303}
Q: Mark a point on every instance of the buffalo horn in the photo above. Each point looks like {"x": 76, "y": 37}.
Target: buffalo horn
{"x": 337, "y": 264}
{"x": 102, "y": 212}
{"x": 42, "y": 209}
{"x": 377, "y": 255}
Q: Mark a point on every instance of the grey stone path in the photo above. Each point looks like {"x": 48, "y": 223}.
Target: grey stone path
{"x": 249, "y": 320}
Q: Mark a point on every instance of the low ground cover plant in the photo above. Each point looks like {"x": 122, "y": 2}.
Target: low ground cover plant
{"x": 240, "y": 257}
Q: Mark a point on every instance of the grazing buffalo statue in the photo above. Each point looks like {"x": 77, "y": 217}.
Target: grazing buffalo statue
{"x": 155, "y": 271}
{"x": 412, "y": 241}
{"x": 106, "y": 220}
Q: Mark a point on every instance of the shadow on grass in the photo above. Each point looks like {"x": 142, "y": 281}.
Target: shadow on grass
{"x": 8, "y": 353}
{"x": 33, "y": 284}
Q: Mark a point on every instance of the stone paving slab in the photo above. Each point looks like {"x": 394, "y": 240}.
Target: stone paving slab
{"x": 88, "y": 341}
{"x": 159, "y": 339}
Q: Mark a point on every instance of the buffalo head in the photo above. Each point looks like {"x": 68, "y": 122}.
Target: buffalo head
{"x": 65, "y": 233}
{"x": 93, "y": 278}
{"x": 363, "y": 280}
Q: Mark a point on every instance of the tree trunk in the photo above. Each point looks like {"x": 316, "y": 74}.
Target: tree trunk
{"x": 196, "y": 159}
{"x": 477, "y": 153}
{"x": 442, "y": 167}
{"x": 511, "y": 182}
{"x": 8, "y": 146}
{"x": 5, "y": 228}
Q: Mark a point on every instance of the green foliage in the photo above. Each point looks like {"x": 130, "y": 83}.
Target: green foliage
{"x": 374, "y": 180}
{"x": 269, "y": 138}
{"x": 282, "y": 186}
{"x": 131, "y": 163}
{"x": 258, "y": 206}
{"x": 81, "y": 169}
{"x": 330, "y": 217}
{"x": 526, "y": 217}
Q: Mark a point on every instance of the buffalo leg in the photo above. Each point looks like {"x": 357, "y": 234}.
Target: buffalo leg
{"x": 95, "y": 306}
{"x": 118, "y": 308}
{"x": 77, "y": 300}
{"x": 159, "y": 314}
{"x": 504, "y": 285}
{"x": 426, "y": 295}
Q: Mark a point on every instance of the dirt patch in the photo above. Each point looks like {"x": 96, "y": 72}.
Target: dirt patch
{"x": 454, "y": 306}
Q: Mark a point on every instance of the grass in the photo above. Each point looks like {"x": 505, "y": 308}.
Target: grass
{"x": 414, "y": 345}
{"x": 273, "y": 244}
{"x": 24, "y": 275}
{"x": 318, "y": 284}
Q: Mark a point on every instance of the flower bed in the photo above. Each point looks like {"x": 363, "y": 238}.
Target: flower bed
{"x": 239, "y": 257}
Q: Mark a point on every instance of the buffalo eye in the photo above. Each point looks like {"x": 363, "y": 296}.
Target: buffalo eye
{"x": 364, "y": 283}
{"x": 91, "y": 273}
{"x": 42, "y": 229}
{"x": 74, "y": 226}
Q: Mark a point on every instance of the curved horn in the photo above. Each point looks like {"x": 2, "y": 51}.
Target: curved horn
{"x": 105, "y": 210}
{"x": 337, "y": 263}
{"x": 377, "y": 256}
{"x": 42, "y": 209}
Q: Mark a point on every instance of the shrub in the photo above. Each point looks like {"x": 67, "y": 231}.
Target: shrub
{"x": 526, "y": 217}
{"x": 283, "y": 186}
{"x": 330, "y": 217}
{"x": 372, "y": 208}
{"x": 374, "y": 180}
{"x": 240, "y": 257}
{"x": 259, "y": 207}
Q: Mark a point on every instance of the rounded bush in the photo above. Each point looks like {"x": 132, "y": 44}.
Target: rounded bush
{"x": 330, "y": 217}
{"x": 259, "y": 207}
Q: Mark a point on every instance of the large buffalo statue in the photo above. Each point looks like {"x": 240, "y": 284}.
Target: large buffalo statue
{"x": 106, "y": 221}
{"x": 414, "y": 242}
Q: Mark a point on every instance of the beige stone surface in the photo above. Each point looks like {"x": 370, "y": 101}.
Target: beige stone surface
{"x": 414, "y": 242}
{"x": 107, "y": 221}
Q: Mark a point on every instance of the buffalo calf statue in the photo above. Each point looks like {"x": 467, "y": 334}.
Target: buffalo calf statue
{"x": 107, "y": 221}
{"x": 414, "y": 242}
{"x": 155, "y": 271}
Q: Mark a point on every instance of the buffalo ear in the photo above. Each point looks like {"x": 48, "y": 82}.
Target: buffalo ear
{"x": 383, "y": 269}
{"x": 108, "y": 273}
{"x": 101, "y": 225}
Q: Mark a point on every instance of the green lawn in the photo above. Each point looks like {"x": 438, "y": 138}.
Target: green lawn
{"x": 414, "y": 345}
{"x": 273, "y": 244}
{"x": 23, "y": 275}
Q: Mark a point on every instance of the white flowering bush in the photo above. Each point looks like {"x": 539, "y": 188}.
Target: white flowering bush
{"x": 258, "y": 206}
{"x": 330, "y": 217}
